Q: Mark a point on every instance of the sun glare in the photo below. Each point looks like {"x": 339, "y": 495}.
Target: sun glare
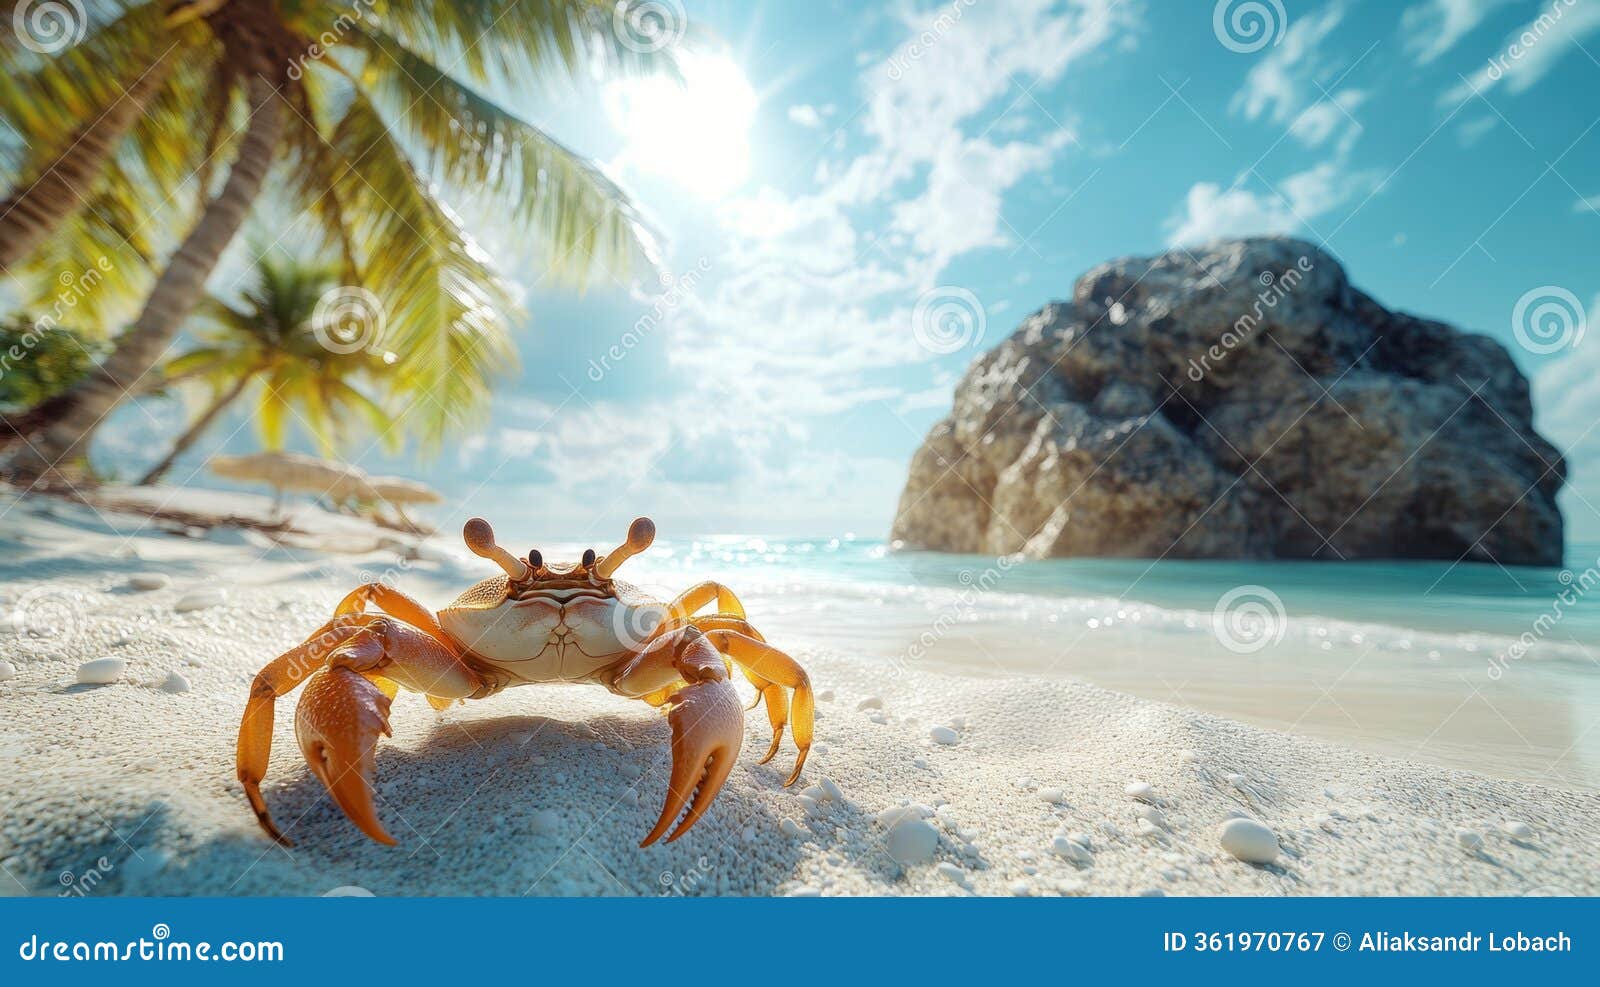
{"x": 695, "y": 133}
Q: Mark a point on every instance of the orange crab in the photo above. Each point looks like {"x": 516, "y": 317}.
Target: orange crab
{"x": 537, "y": 623}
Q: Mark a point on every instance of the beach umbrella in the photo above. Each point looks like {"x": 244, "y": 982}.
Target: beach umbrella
{"x": 399, "y": 490}
{"x": 295, "y": 472}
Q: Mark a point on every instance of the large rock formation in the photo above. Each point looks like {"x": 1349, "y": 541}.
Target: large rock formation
{"x": 1240, "y": 401}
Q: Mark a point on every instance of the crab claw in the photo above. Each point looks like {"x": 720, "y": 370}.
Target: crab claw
{"x": 337, "y": 722}
{"x": 707, "y": 731}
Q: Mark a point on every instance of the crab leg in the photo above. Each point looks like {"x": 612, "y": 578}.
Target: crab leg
{"x": 707, "y": 723}
{"x": 774, "y": 666}
{"x": 692, "y": 599}
{"x": 777, "y": 699}
{"x": 281, "y": 676}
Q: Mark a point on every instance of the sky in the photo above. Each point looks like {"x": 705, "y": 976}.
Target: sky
{"x": 856, "y": 200}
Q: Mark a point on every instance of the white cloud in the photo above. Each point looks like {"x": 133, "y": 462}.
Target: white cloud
{"x": 1567, "y": 407}
{"x": 1590, "y": 204}
{"x": 1532, "y": 50}
{"x": 1320, "y": 121}
{"x": 1472, "y": 131}
{"x": 805, "y": 115}
{"x": 1434, "y": 27}
{"x": 1211, "y": 212}
{"x": 1279, "y": 85}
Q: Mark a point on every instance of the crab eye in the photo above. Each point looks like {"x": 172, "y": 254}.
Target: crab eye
{"x": 535, "y": 558}
{"x": 588, "y": 558}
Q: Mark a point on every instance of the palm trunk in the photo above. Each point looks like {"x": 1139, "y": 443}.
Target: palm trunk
{"x": 196, "y": 429}
{"x": 37, "y": 206}
{"x": 60, "y": 428}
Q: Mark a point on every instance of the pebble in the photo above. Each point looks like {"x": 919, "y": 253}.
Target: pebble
{"x": 833, "y": 790}
{"x": 1147, "y": 828}
{"x": 825, "y": 696}
{"x": 8, "y": 671}
{"x": 944, "y": 735}
{"x": 749, "y": 834}
{"x": 1469, "y": 840}
{"x": 175, "y": 683}
{"x": 952, "y": 872}
{"x": 348, "y": 891}
{"x": 1189, "y": 757}
{"x": 200, "y": 599}
{"x": 791, "y": 828}
{"x": 1110, "y": 829}
{"x": 1514, "y": 829}
{"x": 1237, "y": 781}
{"x": 101, "y": 671}
{"x": 1082, "y": 839}
{"x": 147, "y": 581}
{"x": 1248, "y": 840}
{"x": 1054, "y": 796}
{"x": 877, "y": 717}
{"x": 1021, "y": 889}
{"x": 911, "y": 841}
{"x": 1141, "y": 790}
{"x": 871, "y": 702}
{"x": 1061, "y": 846}
{"x": 1152, "y": 815}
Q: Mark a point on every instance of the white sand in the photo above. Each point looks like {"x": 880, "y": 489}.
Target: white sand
{"x": 547, "y": 791}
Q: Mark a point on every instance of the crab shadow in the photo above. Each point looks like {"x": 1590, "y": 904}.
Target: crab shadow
{"x": 530, "y": 805}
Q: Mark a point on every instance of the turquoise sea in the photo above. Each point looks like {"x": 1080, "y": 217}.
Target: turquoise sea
{"x": 1468, "y": 665}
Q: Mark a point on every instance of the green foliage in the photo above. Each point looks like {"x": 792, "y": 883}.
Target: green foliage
{"x": 39, "y": 360}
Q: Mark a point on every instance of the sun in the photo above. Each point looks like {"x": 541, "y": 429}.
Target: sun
{"x": 695, "y": 133}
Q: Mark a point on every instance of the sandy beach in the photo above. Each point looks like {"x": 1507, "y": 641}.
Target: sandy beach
{"x": 1051, "y": 786}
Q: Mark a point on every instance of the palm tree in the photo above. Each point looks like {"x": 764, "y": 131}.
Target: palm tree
{"x": 272, "y": 340}
{"x": 343, "y": 94}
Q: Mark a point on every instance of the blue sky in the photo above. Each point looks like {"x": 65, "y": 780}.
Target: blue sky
{"x": 829, "y": 164}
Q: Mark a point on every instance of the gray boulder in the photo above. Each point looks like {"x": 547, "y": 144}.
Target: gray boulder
{"x": 1242, "y": 400}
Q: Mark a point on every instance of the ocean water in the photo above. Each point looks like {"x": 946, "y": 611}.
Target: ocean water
{"x": 1469, "y": 665}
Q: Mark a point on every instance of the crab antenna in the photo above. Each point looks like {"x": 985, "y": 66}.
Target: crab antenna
{"x": 480, "y": 539}
{"x": 640, "y": 534}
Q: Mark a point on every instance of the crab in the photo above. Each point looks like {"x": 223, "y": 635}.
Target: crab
{"x": 537, "y": 623}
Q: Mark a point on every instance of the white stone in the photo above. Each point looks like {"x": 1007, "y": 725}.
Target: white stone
{"x": 1054, "y": 796}
{"x": 951, "y": 872}
{"x": 147, "y": 581}
{"x": 791, "y": 828}
{"x": 833, "y": 790}
{"x": 944, "y": 735}
{"x": 1152, "y": 815}
{"x": 1142, "y": 790}
{"x": 1514, "y": 829}
{"x": 348, "y": 891}
{"x": 1061, "y": 846}
{"x": 1249, "y": 841}
{"x": 101, "y": 671}
{"x": 1469, "y": 840}
{"x": 871, "y": 702}
{"x": 200, "y": 599}
{"x": 8, "y": 671}
{"x": 911, "y": 841}
{"x": 1021, "y": 889}
{"x": 175, "y": 683}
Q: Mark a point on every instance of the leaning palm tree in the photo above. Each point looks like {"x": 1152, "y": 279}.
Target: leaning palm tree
{"x": 344, "y": 95}
{"x": 272, "y": 341}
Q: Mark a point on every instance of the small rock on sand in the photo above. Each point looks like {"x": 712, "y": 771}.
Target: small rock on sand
{"x": 144, "y": 582}
{"x": 1054, "y": 796}
{"x": 871, "y": 702}
{"x": 1512, "y": 828}
{"x": 175, "y": 683}
{"x": 1249, "y": 841}
{"x": 791, "y": 828}
{"x": 101, "y": 671}
{"x": 1469, "y": 840}
{"x": 911, "y": 841}
{"x": 348, "y": 891}
{"x": 200, "y": 599}
{"x": 944, "y": 735}
{"x": 8, "y": 671}
{"x": 1141, "y": 790}
{"x": 1061, "y": 846}
{"x": 952, "y": 872}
